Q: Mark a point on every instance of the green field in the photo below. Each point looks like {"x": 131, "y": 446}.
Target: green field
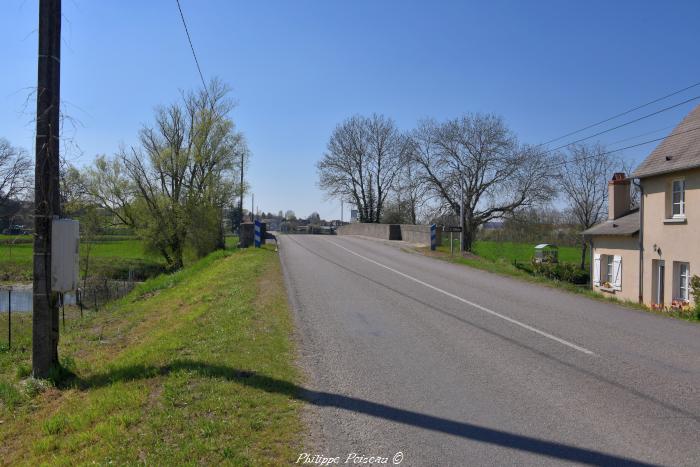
{"x": 511, "y": 251}
{"x": 112, "y": 258}
{"x": 191, "y": 368}
{"x": 15, "y": 238}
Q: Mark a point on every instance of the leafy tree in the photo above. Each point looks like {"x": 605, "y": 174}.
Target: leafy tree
{"x": 174, "y": 185}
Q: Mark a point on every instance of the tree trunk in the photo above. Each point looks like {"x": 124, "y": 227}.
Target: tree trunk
{"x": 468, "y": 237}
{"x": 584, "y": 247}
{"x": 175, "y": 262}
{"x": 221, "y": 240}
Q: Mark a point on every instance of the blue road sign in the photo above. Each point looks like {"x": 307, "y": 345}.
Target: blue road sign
{"x": 258, "y": 237}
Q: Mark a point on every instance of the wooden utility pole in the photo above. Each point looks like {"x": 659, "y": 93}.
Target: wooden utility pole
{"x": 240, "y": 203}
{"x": 46, "y": 187}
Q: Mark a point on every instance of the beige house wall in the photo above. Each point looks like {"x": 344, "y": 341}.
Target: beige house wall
{"x": 666, "y": 240}
{"x": 628, "y": 249}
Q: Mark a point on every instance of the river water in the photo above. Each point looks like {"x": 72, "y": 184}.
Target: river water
{"x": 22, "y": 299}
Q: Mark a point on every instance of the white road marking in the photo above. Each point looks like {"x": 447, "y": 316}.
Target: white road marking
{"x": 475, "y": 305}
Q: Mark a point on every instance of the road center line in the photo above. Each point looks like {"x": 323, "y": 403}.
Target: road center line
{"x": 475, "y": 305}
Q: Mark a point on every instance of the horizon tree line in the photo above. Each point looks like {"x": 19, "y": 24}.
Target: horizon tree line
{"x": 473, "y": 163}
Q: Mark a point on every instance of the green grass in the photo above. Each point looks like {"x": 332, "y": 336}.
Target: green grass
{"x": 15, "y": 238}
{"x": 512, "y": 251}
{"x": 191, "y": 368}
{"x": 110, "y": 257}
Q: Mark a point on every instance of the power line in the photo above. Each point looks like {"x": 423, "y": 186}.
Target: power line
{"x": 624, "y": 124}
{"x": 564, "y": 162}
{"x": 194, "y": 54}
{"x": 646, "y": 133}
{"x": 626, "y": 112}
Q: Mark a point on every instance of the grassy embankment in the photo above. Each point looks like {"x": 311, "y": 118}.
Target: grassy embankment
{"x": 192, "y": 367}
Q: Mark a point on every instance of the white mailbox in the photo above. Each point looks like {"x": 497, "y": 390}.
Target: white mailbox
{"x": 65, "y": 244}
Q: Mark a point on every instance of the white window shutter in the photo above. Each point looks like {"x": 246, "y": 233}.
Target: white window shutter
{"x": 617, "y": 272}
{"x": 596, "y": 269}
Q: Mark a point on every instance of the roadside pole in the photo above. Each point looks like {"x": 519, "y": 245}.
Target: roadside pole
{"x": 9, "y": 318}
{"x": 461, "y": 216}
{"x": 46, "y": 191}
{"x": 240, "y": 203}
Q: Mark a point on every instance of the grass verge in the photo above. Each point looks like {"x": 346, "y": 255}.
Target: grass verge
{"x": 512, "y": 251}
{"x": 190, "y": 368}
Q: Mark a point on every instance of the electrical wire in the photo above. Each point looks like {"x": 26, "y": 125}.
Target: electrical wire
{"x": 624, "y": 124}
{"x": 194, "y": 54}
{"x": 564, "y": 162}
{"x": 626, "y": 112}
{"x": 642, "y": 134}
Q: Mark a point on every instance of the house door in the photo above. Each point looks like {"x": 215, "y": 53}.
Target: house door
{"x": 660, "y": 286}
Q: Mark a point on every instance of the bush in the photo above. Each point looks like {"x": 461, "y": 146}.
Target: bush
{"x": 695, "y": 290}
{"x": 565, "y": 272}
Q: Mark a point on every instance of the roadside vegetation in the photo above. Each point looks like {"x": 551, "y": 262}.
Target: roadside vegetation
{"x": 512, "y": 259}
{"x": 512, "y": 251}
{"x": 191, "y": 367}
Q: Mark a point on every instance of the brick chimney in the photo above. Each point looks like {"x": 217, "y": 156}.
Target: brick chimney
{"x": 619, "y": 200}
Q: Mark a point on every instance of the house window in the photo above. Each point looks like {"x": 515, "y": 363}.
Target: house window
{"x": 678, "y": 198}
{"x": 682, "y": 279}
{"x": 607, "y": 271}
{"x": 608, "y": 276}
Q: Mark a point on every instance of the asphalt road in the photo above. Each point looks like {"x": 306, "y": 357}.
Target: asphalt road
{"x": 454, "y": 366}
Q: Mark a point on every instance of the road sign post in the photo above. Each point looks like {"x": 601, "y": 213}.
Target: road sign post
{"x": 258, "y": 236}
{"x": 451, "y": 230}
{"x": 433, "y": 237}
{"x": 9, "y": 318}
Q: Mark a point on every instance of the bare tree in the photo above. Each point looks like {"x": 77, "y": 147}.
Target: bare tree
{"x": 583, "y": 182}
{"x": 15, "y": 171}
{"x": 477, "y": 158}
{"x": 410, "y": 193}
{"x": 363, "y": 158}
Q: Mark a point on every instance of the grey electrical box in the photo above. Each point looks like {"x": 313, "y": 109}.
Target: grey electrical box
{"x": 65, "y": 244}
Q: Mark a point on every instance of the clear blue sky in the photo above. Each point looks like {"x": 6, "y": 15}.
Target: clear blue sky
{"x": 297, "y": 68}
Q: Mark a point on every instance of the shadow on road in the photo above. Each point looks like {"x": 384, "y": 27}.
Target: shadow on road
{"x": 373, "y": 409}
